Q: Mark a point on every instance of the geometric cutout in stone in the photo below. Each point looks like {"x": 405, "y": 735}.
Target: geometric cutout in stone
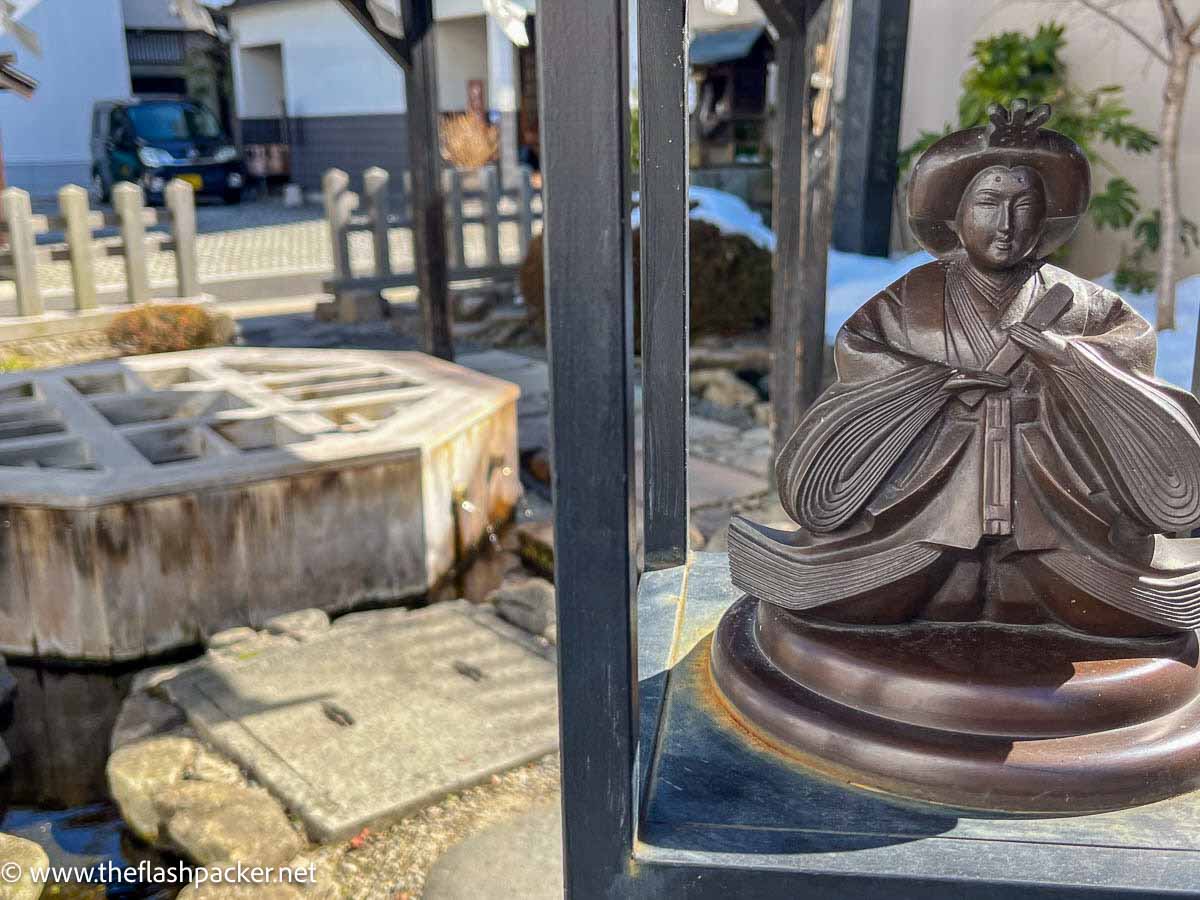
{"x": 156, "y": 499}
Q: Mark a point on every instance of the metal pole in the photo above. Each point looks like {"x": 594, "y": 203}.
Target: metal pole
{"x": 585, "y": 144}
{"x": 662, "y": 98}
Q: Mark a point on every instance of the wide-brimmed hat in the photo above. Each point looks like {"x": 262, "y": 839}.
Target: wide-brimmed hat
{"x": 945, "y": 170}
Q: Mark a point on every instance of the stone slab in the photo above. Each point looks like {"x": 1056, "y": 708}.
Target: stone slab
{"x": 716, "y": 793}
{"x": 521, "y": 858}
{"x": 360, "y": 725}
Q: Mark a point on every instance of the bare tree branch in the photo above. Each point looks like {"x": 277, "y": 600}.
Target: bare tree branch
{"x": 1172, "y": 20}
{"x": 1107, "y": 13}
{"x": 1192, "y": 29}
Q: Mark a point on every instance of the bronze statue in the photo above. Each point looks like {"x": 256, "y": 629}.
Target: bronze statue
{"x": 993, "y": 587}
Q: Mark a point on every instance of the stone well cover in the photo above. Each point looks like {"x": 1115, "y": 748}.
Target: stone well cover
{"x": 249, "y": 474}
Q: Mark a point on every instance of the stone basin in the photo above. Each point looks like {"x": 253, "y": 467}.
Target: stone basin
{"x": 150, "y": 501}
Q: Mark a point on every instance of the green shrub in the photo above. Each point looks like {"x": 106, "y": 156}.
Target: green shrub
{"x": 162, "y": 328}
{"x": 730, "y": 283}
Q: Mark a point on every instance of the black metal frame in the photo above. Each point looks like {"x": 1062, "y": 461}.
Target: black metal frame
{"x": 605, "y": 748}
{"x": 585, "y": 149}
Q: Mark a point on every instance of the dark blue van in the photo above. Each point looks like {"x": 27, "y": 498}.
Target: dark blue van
{"x": 152, "y": 140}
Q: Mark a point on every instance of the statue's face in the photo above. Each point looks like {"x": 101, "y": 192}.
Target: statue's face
{"x": 1002, "y": 216}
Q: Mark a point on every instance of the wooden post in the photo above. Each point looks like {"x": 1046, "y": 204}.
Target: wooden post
{"x": 867, "y": 148}
{"x": 585, "y": 148}
{"x": 457, "y": 242}
{"x": 425, "y": 161}
{"x": 802, "y": 215}
{"x": 18, "y": 216}
{"x": 375, "y": 189}
{"x": 662, "y": 78}
{"x": 335, "y": 186}
{"x": 491, "y": 213}
{"x": 181, "y": 201}
{"x": 127, "y": 201}
{"x": 525, "y": 210}
{"x": 73, "y": 207}
{"x": 786, "y": 335}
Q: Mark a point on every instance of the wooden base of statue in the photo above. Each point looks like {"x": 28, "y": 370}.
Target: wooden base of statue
{"x": 975, "y": 716}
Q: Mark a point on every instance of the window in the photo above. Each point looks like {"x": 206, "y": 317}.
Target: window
{"x": 173, "y": 121}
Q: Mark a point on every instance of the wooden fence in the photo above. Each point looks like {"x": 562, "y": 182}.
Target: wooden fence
{"x": 480, "y": 190}
{"x": 78, "y": 224}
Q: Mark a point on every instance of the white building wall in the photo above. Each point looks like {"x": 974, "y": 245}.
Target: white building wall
{"x": 46, "y": 139}
{"x": 262, "y": 82}
{"x": 331, "y": 66}
{"x": 462, "y": 56}
{"x": 941, "y": 33}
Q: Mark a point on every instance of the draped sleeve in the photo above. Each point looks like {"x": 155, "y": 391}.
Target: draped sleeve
{"x": 854, "y": 435}
{"x": 1143, "y": 433}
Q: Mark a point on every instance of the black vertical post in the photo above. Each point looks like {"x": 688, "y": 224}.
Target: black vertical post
{"x": 787, "y": 334}
{"x": 425, "y": 162}
{"x": 803, "y": 213}
{"x": 582, "y": 49}
{"x": 662, "y": 99}
{"x": 862, "y": 221}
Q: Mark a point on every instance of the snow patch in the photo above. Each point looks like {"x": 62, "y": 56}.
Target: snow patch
{"x": 852, "y": 280}
{"x": 730, "y": 214}
{"x": 1177, "y": 347}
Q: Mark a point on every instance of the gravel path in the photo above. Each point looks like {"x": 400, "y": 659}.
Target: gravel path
{"x": 392, "y": 863}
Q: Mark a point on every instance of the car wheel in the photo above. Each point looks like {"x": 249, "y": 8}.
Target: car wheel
{"x": 233, "y": 198}
{"x": 97, "y": 188}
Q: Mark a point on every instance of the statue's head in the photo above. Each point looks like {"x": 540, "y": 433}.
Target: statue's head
{"x": 1002, "y": 193}
{"x": 1002, "y": 216}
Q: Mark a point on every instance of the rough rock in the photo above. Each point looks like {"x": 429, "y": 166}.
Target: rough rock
{"x": 371, "y": 618}
{"x": 722, "y": 387}
{"x": 538, "y": 465}
{"x": 215, "y": 824}
{"x": 528, "y": 604}
{"x": 215, "y": 769}
{"x": 138, "y": 773}
{"x": 302, "y": 625}
{"x": 262, "y": 642}
{"x": 746, "y": 355}
{"x": 28, "y": 856}
{"x": 144, "y": 716}
{"x": 474, "y": 306}
{"x": 150, "y": 679}
{"x": 762, "y": 412}
{"x": 229, "y": 637}
{"x": 537, "y": 545}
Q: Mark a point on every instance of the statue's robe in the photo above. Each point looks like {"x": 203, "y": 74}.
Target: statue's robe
{"x": 886, "y": 473}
